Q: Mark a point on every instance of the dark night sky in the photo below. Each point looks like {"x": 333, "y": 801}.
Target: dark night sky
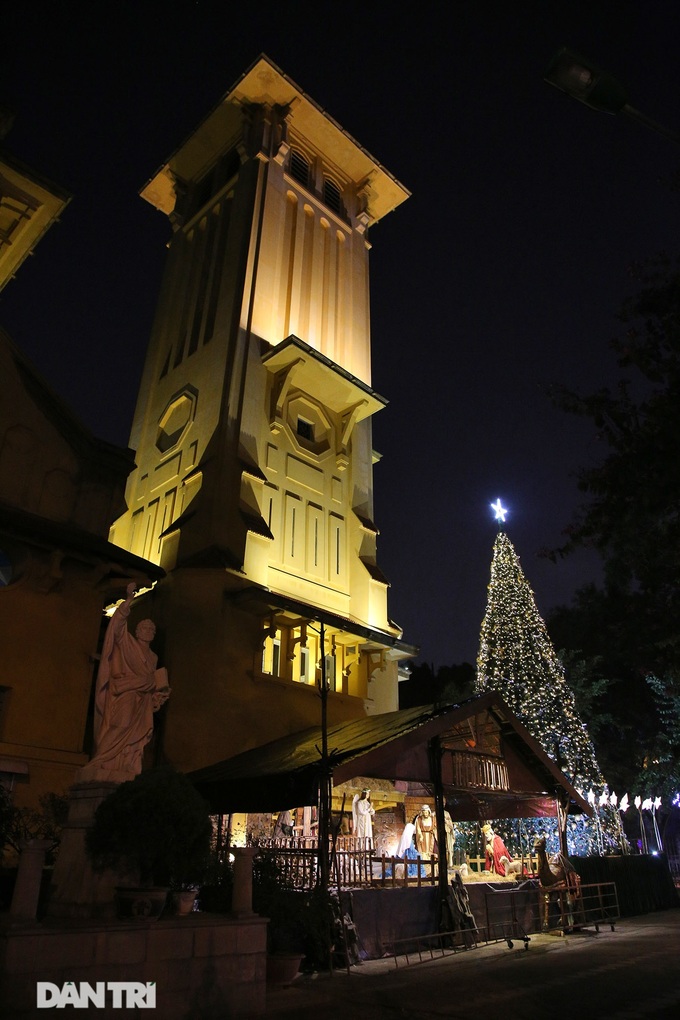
{"x": 502, "y": 274}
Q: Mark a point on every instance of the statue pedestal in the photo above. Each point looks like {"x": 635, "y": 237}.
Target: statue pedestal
{"x": 76, "y": 890}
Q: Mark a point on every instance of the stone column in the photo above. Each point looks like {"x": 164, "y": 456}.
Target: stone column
{"x": 242, "y": 894}
{"x": 24, "y": 906}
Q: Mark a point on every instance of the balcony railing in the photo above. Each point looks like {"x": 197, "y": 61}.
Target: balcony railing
{"x": 474, "y": 771}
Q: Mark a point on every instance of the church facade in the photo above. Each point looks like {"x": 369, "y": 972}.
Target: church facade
{"x": 60, "y": 487}
{"x": 253, "y": 486}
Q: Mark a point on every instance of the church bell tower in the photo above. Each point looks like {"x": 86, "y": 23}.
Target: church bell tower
{"x": 254, "y": 480}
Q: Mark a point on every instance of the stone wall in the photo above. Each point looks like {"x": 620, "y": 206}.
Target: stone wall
{"x": 202, "y": 964}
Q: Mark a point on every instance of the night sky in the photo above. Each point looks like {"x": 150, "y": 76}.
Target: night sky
{"x": 500, "y": 276}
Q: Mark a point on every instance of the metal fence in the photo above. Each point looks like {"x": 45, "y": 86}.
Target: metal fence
{"x": 595, "y": 906}
{"x": 674, "y": 867}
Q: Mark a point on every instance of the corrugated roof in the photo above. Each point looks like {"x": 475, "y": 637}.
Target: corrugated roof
{"x": 394, "y": 745}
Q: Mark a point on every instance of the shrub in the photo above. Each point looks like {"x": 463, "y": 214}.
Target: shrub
{"x": 157, "y": 826}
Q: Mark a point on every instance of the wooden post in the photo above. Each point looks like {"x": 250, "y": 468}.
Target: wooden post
{"x": 562, "y": 815}
{"x": 435, "y": 754}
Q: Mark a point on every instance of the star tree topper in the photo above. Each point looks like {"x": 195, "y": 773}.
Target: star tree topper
{"x": 500, "y": 512}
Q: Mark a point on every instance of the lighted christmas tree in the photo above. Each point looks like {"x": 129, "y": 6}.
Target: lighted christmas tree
{"x": 517, "y": 659}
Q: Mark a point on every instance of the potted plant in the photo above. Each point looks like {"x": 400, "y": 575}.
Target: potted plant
{"x": 156, "y": 831}
{"x": 301, "y": 922}
{"x": 33, "y": 836}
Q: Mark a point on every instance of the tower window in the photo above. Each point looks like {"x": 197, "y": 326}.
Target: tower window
{"x": 276, "y": 656}
{"x": 331, "y": 195}
{"x": 4, "y": 701}
{"x": 5, "y": 568}
{"x": 330, "y": 672}
{"x": 203, "y": 189}
{"x": 299, "y": 167}
{"x": 305, "y": 429}
{"x": 304, "y": 666}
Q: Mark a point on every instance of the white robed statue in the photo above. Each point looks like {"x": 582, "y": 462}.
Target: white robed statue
{"x": 406, "y": 841}
{"x": 362, "y": 816}
{"x": 130, "y": 689}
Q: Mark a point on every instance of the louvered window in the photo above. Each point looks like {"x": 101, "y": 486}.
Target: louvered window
{"x": 299, "y": 167}
{"x": 331, "y": 195}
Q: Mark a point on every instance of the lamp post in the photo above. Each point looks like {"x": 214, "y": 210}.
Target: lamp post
{"x": 654, "y": 807}
{"x": 324, "y": 778}
{"x": 598, "y": 89}
{"x": 641, "y": 806}
{"x": 324, "y": 794}
{"x": 598, "y": 831}
{"x": 622, "y": 807}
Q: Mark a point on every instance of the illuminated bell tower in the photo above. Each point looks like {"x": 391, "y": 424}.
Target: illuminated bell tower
{"x": 254, "y": 483}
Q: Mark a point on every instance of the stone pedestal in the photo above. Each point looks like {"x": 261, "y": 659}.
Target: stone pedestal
{"x": 76, "y": 890}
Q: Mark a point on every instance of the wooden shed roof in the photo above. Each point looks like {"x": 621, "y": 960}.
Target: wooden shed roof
{"x": 397, "y": 746}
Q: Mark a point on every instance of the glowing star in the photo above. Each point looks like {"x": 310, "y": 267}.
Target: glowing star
{"x": 499, "y": 511}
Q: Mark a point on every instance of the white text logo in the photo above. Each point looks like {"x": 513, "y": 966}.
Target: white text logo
{"x": 121, "y": 995}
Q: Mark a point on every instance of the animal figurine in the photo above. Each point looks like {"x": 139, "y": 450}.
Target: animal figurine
{"x": 558, "y": 870}
{"x": 512, "y": 868}
{"x": 557, "y": 875}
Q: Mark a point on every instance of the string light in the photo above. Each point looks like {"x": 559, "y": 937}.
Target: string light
{"x": 517, "y": 659}
{"x": 500, "y": 512}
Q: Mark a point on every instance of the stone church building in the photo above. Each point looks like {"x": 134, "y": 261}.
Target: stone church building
{"x": 60, "y": 487}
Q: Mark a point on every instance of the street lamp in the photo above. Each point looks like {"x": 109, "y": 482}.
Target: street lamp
{"x": 598, "y": 89}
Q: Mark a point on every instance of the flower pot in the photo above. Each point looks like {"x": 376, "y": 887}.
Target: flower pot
{"x": 283, "y": 968}
{"x": 140, "y": 904}
{"x": 183, "y": 901}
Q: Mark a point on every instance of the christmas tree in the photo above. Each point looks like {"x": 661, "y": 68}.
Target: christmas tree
{"x": 517, "y": 659}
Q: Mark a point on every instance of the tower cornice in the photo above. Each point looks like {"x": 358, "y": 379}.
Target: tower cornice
{"x": 266, "y": 85}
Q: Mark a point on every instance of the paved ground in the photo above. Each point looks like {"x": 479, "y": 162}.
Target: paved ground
{"x": 632, "y": 973}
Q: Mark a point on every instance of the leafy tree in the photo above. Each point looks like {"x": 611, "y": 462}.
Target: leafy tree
{"x": 632, "y": 512}
{"x": 449, "y": 685}
{"x": 589, "y": 687}
{"x": 661, "y": 772}
{"x": 621, "y": 715}
{"x": 632, "y": 517}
